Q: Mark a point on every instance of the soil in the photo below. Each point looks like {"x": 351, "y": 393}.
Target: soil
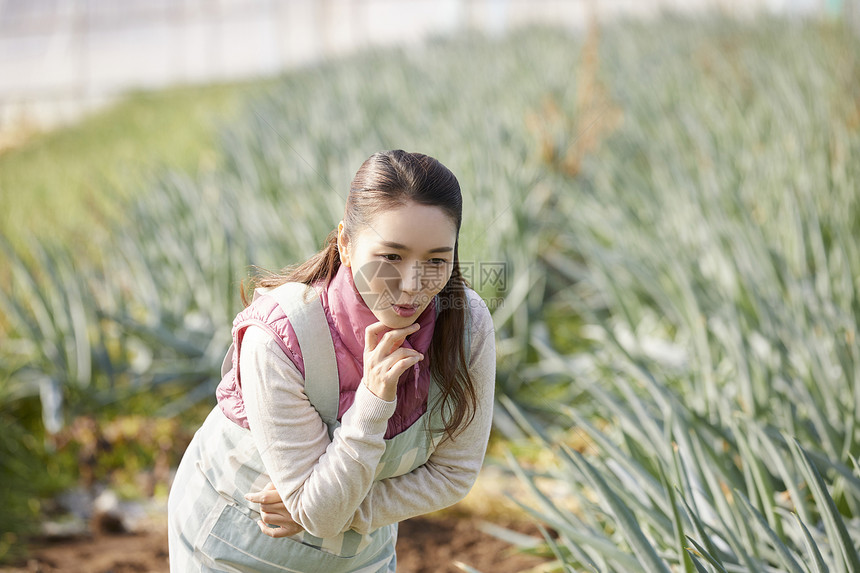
{"x": 425, "y": 545}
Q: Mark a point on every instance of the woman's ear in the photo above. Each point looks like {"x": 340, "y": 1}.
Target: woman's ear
{"x": 342, "y": 245}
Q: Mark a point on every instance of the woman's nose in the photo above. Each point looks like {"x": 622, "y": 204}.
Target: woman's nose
{"x": 412, "y": 280}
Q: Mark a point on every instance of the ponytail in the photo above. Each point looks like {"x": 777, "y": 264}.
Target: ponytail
{"x": 321, "y": 266}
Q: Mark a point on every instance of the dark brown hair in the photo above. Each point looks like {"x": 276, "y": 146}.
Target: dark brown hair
{"x": 387, "y": 180}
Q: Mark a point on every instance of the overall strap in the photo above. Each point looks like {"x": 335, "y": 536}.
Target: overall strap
{"x": 303, "y": 307}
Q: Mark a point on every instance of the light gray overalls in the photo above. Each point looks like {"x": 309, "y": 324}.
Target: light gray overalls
{"x": 211, "y": 525}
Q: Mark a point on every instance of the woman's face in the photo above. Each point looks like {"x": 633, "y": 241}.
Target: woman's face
{"x": 401, "y": 260}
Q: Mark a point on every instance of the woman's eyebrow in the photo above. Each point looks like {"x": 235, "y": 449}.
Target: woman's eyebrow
{"x": 401, "y": 247}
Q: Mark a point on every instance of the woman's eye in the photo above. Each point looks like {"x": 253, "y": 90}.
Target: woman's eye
{"x": 391, "y": 258}
{"x": 438, "y": 261}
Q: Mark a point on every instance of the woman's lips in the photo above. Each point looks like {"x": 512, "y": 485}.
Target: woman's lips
{"x": 405, "y": 310}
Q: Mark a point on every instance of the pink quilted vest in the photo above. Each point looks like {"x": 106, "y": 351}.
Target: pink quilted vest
{"x": 347, "y": 316}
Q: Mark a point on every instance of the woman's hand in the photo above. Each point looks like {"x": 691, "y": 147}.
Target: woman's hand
{"x": 273, "y": 512}
{"x": 385, "y": 360}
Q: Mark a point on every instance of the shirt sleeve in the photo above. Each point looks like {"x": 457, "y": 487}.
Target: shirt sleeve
{"x": 452, "y": 468}
{"x": 322, "y": 481}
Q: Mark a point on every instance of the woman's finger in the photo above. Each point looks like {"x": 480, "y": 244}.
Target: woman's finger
{"x": 264, "y": 496}
{"x": 377, "y": 335}
{"x": 404, "y": 364}
{"x": 279, "y": 519}
{"x": 389, "y": 362}
{"x": 278, "y": 532}
{"x": 277, "y": 507}
{"x": 371, "y": 335}
{"x": 381, "y": 353}
{"x": 393, "y": 339}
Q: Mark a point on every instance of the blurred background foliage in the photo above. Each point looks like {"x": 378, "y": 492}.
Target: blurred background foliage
{"x": 674, "y": 203}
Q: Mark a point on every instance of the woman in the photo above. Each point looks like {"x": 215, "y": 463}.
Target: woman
{"x": 358, "y": 392}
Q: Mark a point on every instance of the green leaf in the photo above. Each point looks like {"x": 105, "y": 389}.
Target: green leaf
{"x": 782, "y": 550}
{"x": 816, "y": 561}
{"x": 833, "y": 523}
{"x": 677, "y": 525}
{"x": 699, "y": 551}
{"x": 626, "y": 521}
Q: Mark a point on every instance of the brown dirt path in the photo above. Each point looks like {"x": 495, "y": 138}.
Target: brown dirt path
{"x": 425, "y": 545}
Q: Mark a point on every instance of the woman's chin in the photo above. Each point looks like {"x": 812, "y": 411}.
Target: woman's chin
{"x": 393, "y": 321}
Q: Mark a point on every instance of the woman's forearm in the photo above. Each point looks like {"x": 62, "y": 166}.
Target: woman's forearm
{"x": 321, "y": 481}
